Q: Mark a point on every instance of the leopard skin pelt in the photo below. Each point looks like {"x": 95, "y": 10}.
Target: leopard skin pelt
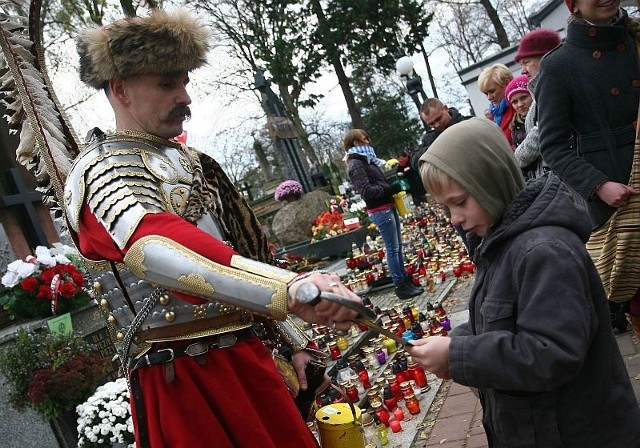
{"x": 213, "y": 191}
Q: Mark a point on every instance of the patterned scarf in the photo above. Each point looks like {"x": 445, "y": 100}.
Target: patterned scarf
{"x": 368, "y": 152}
{"x": 498, "y": 110}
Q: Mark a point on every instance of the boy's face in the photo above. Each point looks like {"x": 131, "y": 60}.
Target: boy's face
{"x": 465, "y": 210}
{"x": 521, "y": 102}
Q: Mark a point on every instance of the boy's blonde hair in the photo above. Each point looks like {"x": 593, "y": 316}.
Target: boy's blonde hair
{"x": 355, "y": 134}
{"x": 496, "y": 73}
{"x": 434, "y": 180}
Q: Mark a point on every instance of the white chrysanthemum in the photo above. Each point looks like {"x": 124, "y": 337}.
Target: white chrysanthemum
{"x": 106, "y": 414}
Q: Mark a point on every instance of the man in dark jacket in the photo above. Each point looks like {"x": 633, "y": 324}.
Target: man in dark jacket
{"x": 439, "y": 117}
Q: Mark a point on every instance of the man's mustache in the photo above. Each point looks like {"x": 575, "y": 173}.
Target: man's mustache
{"x": 179, "y": 111}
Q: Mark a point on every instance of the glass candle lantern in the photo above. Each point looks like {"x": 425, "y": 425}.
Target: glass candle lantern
{"x": 342, "y": 342}
{"x": 371, "y": 357}
{"x": 334, "y": 350}
{"x": 352, "y": 392}
{"x": 390, "y": 344}
{"x": 413, "y": 406}
{"x": 381, "y": 412}
{"x": 380, "y": 356}
{"x": 418, "y": 374}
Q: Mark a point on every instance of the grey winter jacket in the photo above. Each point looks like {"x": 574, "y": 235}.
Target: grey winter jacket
{"x": 528, "y": 152}
{"x": 542, "y": 353}
{"x": 588, "y": 90}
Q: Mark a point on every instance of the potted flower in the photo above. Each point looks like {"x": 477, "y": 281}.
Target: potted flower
{"x": 105, "y": 418}
{"x": 49, "y": 283}
{"x": 50, "y": 373}
{"x": 289, "y": 190}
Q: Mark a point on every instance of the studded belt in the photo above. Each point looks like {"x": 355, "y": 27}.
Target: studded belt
{"x": 163, "y": 354}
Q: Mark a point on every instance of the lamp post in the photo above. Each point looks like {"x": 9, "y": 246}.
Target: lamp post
{"x": 413, "y": 83}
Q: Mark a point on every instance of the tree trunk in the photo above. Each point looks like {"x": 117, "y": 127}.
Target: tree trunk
{"x": 501, "y": 34}
{"x": 334, "y": 58}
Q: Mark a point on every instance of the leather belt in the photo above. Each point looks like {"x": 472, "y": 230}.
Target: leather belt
{"x": 163, "y": 354}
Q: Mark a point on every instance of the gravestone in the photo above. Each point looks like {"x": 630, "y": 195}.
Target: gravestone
{"x": 293, "y": 222}
{"x": 6, "y": 252}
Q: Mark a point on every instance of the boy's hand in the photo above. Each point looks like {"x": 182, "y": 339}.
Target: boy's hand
{"x": 432, "y": 354}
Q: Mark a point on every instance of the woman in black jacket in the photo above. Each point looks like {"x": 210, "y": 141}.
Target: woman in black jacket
{"x": 363, "y": 169}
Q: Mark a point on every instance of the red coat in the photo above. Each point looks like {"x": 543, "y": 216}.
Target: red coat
{"x": 505, "y": 124}
{"x": 237, "y": 398}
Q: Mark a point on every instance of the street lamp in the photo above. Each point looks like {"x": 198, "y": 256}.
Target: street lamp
{"x": 413, "y": 81}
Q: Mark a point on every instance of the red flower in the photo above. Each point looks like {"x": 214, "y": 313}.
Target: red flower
{"x": 29, "y": 284}
{"x": 47, "y": 275}
{"x": 44, "y": 292}
{"x": 67, "y": 290}
{"x": 77, "y": 278}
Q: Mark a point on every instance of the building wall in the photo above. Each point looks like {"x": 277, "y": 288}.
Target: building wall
{"x": 551, "y": 15}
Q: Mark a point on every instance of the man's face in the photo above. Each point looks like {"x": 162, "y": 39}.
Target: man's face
{"x": 437, "y": 118}
{"x": 465, "y": 210}
{"x": 530, "y": 66}
{"x": 157, "y": 104}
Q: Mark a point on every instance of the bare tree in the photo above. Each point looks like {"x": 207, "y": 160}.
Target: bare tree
{"x": 470, "y": 30}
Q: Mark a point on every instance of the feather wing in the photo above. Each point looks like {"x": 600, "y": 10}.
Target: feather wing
{"x": 48, "y": 144}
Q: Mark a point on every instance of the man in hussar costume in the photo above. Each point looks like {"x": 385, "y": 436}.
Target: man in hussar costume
{"x": 199, "y": 276}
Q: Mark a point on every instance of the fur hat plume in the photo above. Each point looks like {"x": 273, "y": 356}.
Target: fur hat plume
{"x": 161, "y": 43}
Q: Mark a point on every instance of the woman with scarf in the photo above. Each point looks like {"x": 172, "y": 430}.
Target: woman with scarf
{"x": 588, "y": 95}
{"x": 492, "y": 82}
{"x": 363, "y": 169}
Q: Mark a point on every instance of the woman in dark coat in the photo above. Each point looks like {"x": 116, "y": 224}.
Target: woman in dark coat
{"x": 587, "y": 97}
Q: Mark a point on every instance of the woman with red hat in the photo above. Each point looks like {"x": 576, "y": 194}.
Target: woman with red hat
{"x": 533, "y": 46}
{"x": 588, "y": 95}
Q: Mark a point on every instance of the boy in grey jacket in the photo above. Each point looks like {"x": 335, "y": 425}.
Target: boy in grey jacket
{"x": 538, "y": 344}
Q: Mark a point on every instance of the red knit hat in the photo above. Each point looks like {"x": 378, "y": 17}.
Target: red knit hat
{"x": 519, "y": 84}
{"x": 570, "y": 4}
{"x": 537, "y": 43}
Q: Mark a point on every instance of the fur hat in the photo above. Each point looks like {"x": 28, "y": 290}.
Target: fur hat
{"x": 161, "y": 43}
{"x": 519, "y": 84}
{"x": 537, "y": 43}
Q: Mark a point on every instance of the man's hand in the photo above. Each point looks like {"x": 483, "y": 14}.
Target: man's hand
{"x": 615, "y": 194}
{"x": 432, "y": 354}
{"x": 324, "y": 312}
{"x": 299, "y": 361}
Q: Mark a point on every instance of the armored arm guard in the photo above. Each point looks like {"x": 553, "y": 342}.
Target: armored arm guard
{"x": 254, "y": 286}
{"x": 122, "y": 180}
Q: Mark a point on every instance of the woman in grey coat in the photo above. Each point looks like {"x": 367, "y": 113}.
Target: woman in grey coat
{"x": 588, "y": 95}
{"x": 537, "y": 345}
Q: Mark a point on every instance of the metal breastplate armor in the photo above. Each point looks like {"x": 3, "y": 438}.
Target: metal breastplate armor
{"x": 123, "y": 179}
